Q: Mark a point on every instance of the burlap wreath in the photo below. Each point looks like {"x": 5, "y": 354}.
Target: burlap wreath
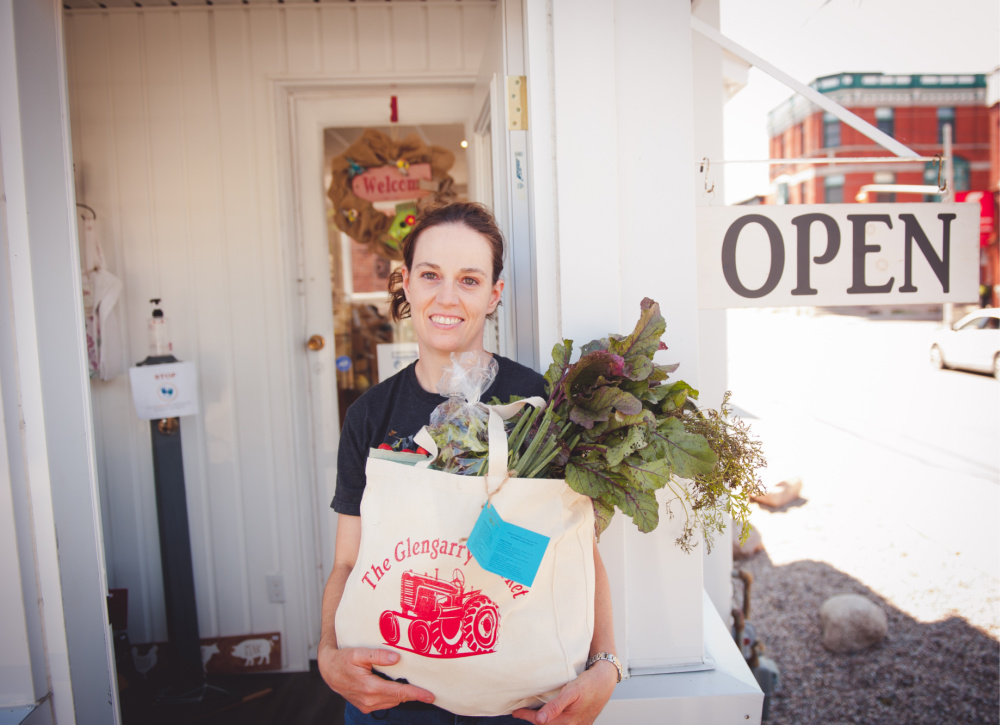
{"x": 357, "y": 217}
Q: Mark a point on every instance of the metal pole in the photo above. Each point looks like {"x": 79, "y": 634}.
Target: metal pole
{"x": 175, "y": 556}
{"x": 856, "y": 122}
{"x": 947, "y": 309}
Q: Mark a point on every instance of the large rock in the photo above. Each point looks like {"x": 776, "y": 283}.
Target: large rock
{"x": 784, "y": 493}
{"x": 851, "y": 623}
{"x": 748, "y": 548}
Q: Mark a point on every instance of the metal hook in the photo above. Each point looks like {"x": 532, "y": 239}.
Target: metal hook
{"x": 704, "y": 168}
{"x": 939, "y": 161}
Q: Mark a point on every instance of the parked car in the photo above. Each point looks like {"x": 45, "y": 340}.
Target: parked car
{"x": 972, "y": 343}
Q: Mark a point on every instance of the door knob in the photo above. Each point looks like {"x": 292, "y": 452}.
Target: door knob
{"x": 316, "y": 342}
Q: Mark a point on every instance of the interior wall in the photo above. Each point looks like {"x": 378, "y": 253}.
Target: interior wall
{"x": 173, "y": 121}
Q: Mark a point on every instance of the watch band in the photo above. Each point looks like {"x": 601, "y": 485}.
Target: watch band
{"x": 610, "y": 658}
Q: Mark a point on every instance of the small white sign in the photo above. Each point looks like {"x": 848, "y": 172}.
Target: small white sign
{"x": 837, "y": 254}
{"x": 169, "y": 390}
{"x": 394, "y": 356}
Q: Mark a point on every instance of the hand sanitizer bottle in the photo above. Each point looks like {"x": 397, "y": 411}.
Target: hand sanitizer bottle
{"x": 159, "y": 332}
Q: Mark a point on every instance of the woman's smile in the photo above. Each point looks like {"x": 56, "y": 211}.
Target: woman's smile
{"x": 445, "y": 321}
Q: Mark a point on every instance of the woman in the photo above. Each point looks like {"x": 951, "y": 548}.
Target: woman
{"x": 449, "y": 285}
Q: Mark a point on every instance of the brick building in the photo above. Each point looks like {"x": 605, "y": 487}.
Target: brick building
{"x": 991, "y": 249}
{"x": 914, "y": 109}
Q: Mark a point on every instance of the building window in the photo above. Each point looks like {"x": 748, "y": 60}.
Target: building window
{"x": 884, "y": 197}
{"x": 782, "y": 193}
{"x": 833, "y": 189}
{"x": 946, "y": 116}
{"x": 831, "y": 131}
{"x": 885, "y": 120}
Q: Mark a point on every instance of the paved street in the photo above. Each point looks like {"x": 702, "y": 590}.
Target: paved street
{"x": 898, "y": 454}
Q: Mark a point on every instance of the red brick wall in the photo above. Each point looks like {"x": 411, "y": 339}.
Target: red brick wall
{"x": 369, "y": 273}
{"x": 993, "y": 183}
{"x": 916, "y": 126}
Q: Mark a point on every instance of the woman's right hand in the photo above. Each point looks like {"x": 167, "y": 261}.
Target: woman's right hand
{"x": 349, "y": 672}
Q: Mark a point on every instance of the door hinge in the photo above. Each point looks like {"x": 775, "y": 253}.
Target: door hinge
{"x": 517, "y": 103}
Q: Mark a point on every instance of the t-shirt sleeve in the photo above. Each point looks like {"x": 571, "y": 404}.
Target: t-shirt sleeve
{"x": 352, "y": 455}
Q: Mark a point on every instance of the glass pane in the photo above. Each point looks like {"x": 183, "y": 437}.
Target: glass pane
{"x": 831, "y": 133}
{"x": 369, "y": 346}
{"x": 975, "y": 324}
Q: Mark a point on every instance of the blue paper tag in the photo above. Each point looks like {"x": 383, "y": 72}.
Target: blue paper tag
{"x": 511, "y": 551}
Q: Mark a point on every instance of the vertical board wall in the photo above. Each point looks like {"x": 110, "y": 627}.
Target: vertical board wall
{"x": 173, "y": 122}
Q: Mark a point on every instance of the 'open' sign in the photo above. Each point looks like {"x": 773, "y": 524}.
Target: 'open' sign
{"x": 837, "y": 254}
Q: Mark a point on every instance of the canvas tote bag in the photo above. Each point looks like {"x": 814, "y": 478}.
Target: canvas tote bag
{"x": 484, "y": 645}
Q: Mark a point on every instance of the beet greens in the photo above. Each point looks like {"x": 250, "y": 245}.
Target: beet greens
{"x": 618, "y": 429}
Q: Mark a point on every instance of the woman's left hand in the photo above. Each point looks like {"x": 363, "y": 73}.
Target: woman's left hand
{"x": 579, "y": 702}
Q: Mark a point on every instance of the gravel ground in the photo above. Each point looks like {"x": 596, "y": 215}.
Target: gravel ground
{"x": 900, "y": 503}
{"x": 940, "y": 662}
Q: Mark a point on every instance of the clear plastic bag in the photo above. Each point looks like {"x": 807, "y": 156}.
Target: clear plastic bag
{"x": 459, "y": 425}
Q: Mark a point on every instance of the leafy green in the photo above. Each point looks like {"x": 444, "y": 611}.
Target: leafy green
{"x": 688, "y": 453}
{"x": 617, "y": 429}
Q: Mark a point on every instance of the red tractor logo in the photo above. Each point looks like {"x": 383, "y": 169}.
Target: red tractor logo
{"x": 442, "y": 615}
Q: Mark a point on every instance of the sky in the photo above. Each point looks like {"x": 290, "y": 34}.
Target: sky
{"x": 812, "y": 38}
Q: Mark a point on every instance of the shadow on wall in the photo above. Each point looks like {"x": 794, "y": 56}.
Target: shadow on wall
{"x": 933, "y": 673}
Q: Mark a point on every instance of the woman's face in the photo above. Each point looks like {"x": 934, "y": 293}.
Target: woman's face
{"x": 450, "y": 288}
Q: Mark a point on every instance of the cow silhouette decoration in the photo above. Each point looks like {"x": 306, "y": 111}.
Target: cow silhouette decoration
{"x": 441, "y": 615}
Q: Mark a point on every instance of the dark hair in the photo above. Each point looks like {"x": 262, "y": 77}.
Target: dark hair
{"x": 471, "y": 214}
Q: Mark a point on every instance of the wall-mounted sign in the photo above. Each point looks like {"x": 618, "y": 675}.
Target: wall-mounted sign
{"x": 245, "y": 653}
{"x": 219, "y": 655}
{"x": 394, "y": 356}
{"x": 837, "y": 254}
{"x": 164, "y": 391}
{"x": 388, "y": 183}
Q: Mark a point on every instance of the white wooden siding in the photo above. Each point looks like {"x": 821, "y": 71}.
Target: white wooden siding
{"x": 173, "y": 123}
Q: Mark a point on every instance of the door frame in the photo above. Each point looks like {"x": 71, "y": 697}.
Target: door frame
{"x": 511, "y": 184}
{"x": 296, "y": 98}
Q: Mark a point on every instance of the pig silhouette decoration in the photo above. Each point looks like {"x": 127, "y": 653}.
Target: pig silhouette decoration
{"x": 253, "y": 651}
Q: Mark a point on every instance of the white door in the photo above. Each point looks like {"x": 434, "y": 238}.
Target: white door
{"x": 499, "y": 176}
{"x": 311, "y": 113}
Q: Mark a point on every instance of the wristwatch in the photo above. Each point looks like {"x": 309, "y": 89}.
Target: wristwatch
{"x": 610, "y": 658}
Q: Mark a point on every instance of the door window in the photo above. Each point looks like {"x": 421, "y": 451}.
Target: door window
{"x": 979, "y": 323}
{"x": 369, "y": 346}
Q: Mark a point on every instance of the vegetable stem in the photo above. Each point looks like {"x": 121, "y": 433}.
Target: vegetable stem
{"x": 536, "y": 441}
{"x": 518, "y": 435}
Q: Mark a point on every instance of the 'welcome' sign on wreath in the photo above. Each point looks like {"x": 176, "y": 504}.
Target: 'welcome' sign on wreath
{"x": 376, "y": 168}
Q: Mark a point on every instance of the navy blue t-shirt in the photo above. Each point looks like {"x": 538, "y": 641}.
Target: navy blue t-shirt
{"x": 395, "y": 410}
